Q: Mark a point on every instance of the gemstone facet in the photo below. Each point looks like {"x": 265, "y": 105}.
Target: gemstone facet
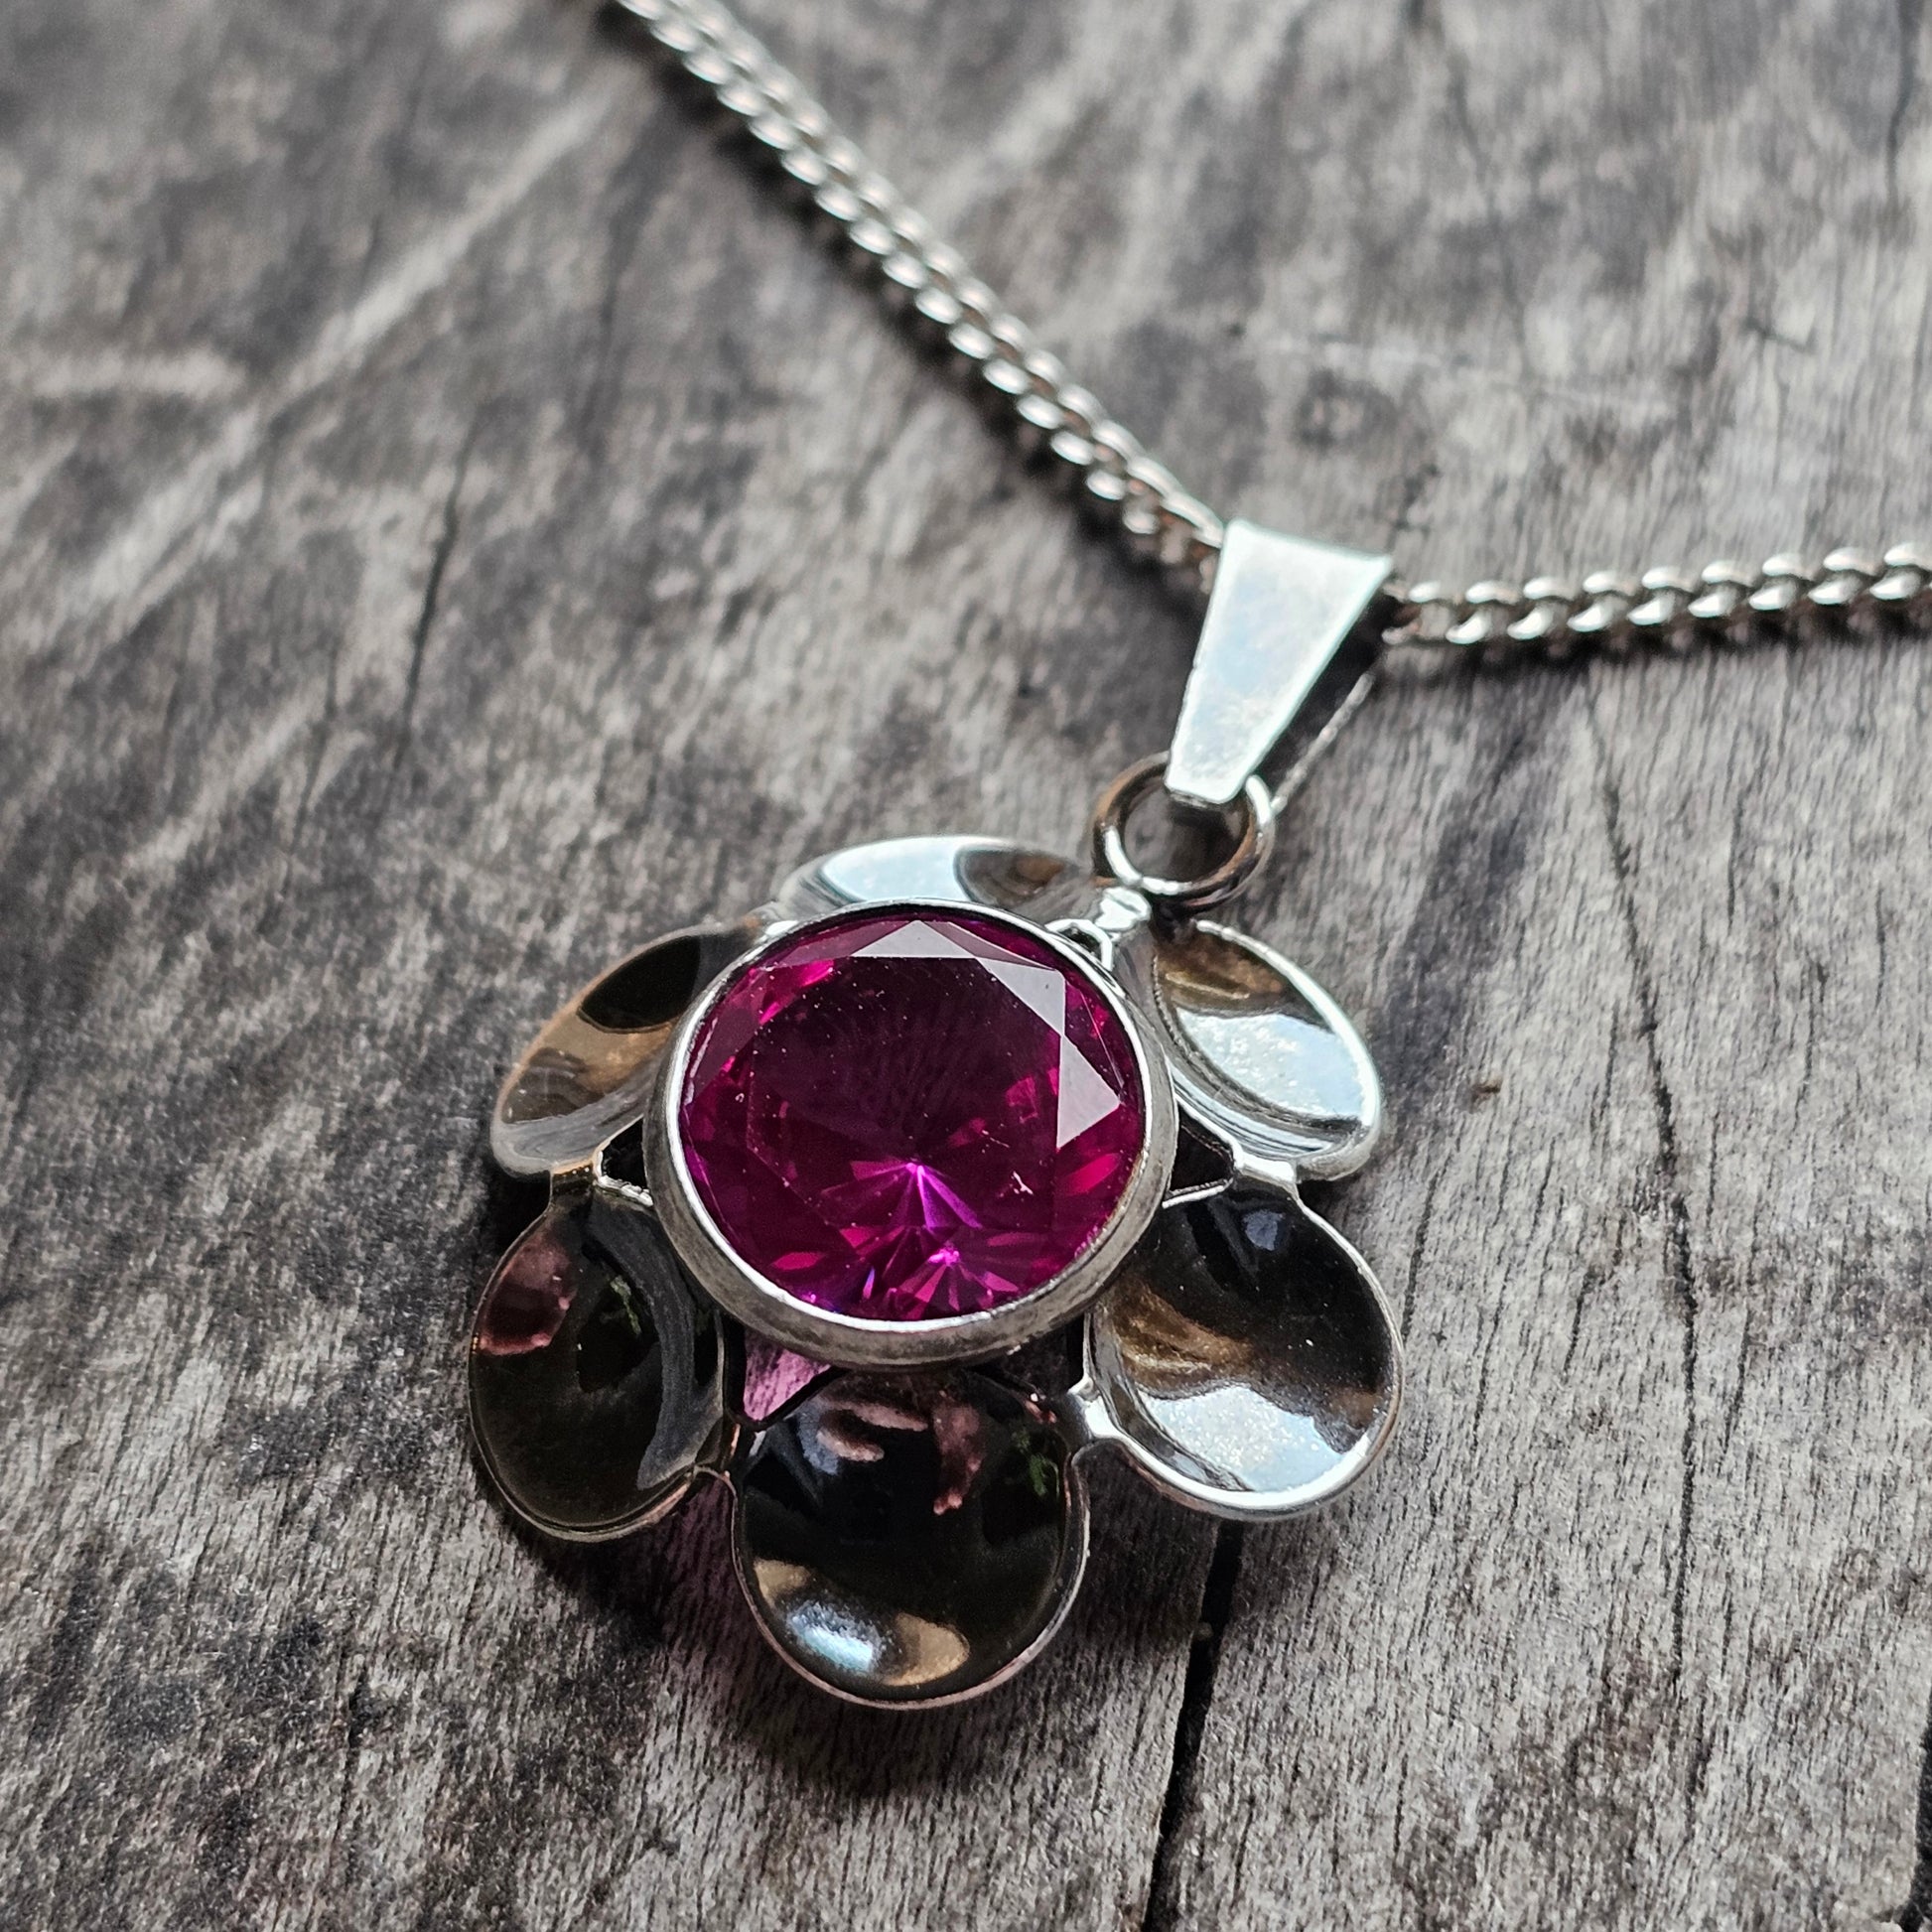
{"x": 908, "y": 1114}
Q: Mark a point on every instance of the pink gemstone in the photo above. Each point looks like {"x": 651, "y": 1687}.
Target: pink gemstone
{"x": 907, "y": 1115}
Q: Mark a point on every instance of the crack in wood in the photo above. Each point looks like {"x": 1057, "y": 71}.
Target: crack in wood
{"x": 1915, "y": 1915}
{"x": 1676, "y": 1211}
{"x": 439, "y": 563}
{"x": 1911, "y": 17}
{"x": 1163, "y": 1908}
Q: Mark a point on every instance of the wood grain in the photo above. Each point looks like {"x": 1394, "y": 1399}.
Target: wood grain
{"x": 455, "y": 525}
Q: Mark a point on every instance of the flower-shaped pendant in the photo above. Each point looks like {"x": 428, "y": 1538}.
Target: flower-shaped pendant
{"x": 940, "y": 1100}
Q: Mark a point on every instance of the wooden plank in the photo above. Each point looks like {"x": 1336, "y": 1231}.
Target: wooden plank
{"x": 1633, "y": 1628}
{"x": 456, "y": 524}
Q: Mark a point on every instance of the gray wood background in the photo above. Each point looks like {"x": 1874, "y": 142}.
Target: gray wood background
{"x": 454, "y": 523}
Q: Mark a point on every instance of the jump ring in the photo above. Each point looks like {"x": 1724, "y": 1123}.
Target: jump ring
{"x": 1117, "y": 806}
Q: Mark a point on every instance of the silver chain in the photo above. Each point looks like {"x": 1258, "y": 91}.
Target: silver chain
{"x": 1164, "y": 522}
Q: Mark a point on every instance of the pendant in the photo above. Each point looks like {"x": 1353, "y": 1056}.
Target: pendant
{"x": 937, "y": 1101}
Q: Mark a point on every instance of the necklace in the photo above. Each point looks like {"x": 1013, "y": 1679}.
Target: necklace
{"x": 957, "y": 1162}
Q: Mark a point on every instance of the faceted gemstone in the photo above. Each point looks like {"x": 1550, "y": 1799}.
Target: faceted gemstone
{"x": 905, "y": 1115}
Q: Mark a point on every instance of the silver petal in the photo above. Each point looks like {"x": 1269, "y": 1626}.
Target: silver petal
{"x": 1257, "y": 1049}
{"x": 954, "y": 870}
{"x": 910, "y": 1539}
{"x": 596, "y": 1375}
{"x": 588, "y": 1074}
{"x": 1245, "y": 1361}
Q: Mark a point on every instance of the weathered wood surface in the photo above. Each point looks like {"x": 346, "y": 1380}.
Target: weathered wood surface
{"x": 455, "y": 523}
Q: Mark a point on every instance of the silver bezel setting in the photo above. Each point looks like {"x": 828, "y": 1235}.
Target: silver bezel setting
{"x": 853, "y": 1342}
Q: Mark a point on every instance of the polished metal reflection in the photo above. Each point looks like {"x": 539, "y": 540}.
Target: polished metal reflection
{"x": 1204, "y": 1163}
{"x": 1257, "y": 1049}
{"x": 1245, "y": 1361}
{"x": 951, "y": 870}
{"x": 772, "y": 1379}
{"x": 597, "y": 1374}
{"x": 588, "y": 1074}
{"x": 910, "y": 1540}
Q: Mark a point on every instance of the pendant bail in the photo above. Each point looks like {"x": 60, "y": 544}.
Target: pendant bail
{"x": 1281, "y": 609}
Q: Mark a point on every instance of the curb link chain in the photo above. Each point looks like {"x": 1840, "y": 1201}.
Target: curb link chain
{"x": 1667, "y": 605}
{"x": 1165, "y": 523}
{"x": 1161, "y": 521}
